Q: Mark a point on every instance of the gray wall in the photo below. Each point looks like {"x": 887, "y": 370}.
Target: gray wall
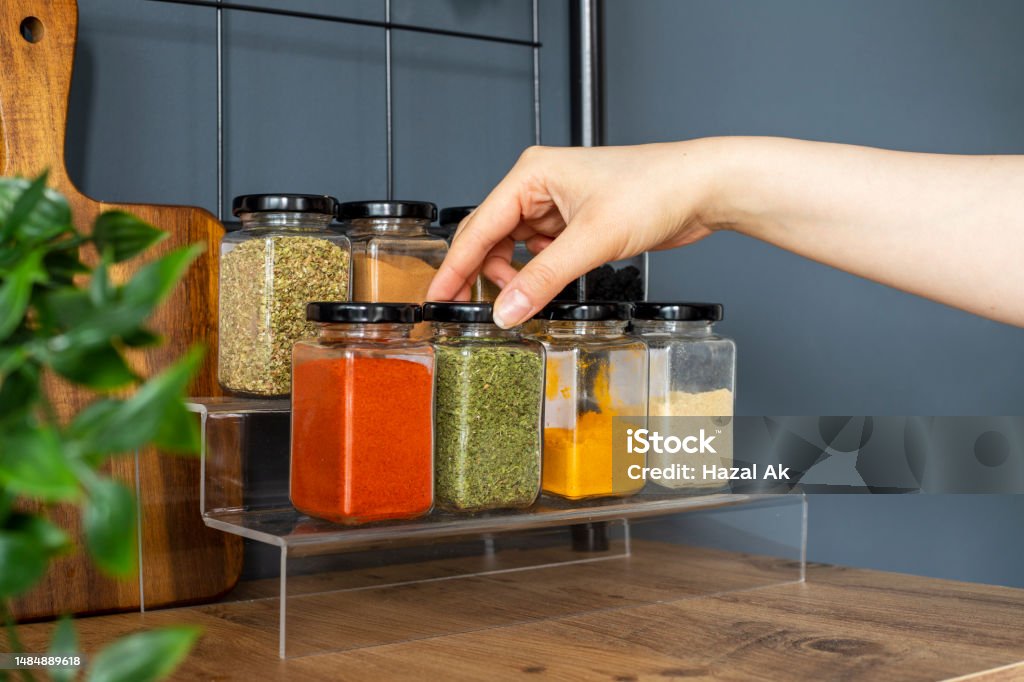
{"x": 304, "y": 112}
{"x": 925, "y": 75}
{"x": 304, "y": 100}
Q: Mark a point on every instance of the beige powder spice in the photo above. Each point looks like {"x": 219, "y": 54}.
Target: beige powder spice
{"x": 706, "y": 405}
{"x": 265, "y": 286}
{"x": 717, "y": 403}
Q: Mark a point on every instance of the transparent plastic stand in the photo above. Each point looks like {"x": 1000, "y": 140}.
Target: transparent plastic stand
{"x": 312, "y": 586}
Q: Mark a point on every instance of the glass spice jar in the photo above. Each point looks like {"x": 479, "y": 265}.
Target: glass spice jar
{"x": 692, "y": 376}
{"x": 362, "y": 446}
{"x": 448, "y": 222}
{"x": 283, "y": 256}
{"x": 595, "y": 373}
{"x": 394, "y": 256}
{"x": 488, "y": 406}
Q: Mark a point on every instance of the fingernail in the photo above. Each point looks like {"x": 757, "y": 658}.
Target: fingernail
{"x": 514, "y": 309}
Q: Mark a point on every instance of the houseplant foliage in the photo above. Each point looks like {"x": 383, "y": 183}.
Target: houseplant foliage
{"x": 60, "y": 317}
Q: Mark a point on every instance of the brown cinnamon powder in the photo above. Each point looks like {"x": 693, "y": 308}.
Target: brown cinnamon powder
{"x": 391, "y": 278}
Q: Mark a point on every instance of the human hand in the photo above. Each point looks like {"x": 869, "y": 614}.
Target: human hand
{"x": 577, "y": 208}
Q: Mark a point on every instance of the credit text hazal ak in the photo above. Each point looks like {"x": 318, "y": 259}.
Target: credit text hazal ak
{"x": 709, "y": 472}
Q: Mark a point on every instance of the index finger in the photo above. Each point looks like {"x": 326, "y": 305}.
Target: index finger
{"x": 492, "y": 221}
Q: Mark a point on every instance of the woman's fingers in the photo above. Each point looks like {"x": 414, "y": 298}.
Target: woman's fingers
{"x": 578, "y": 250}
{"x": 497, "y": 267}
{"x": 538, "y": 243}
{"x": 493, "y": 220}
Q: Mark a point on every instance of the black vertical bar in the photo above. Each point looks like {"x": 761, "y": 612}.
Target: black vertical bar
{"x": 586, "y": 72}
{"x": 535, "y": 15}
{"x": 220, "y": 114}
{"x": 589, "y": 537}
{"x": 389, "y": 114}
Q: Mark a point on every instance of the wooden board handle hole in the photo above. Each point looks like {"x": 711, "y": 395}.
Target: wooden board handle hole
{"x": 32, "y": 29}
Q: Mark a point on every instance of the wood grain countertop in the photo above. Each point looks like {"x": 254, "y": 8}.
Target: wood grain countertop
{"x": 841, "y": 624}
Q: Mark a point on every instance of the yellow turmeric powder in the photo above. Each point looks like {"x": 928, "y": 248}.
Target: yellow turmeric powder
{"x": 579, "y": 462}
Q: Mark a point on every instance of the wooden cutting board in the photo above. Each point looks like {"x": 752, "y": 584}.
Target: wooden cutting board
{"x": 181, "y": 560}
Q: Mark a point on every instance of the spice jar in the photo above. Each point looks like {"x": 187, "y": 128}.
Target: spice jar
{"x": 595, "y": 374}
{"x": 488, "y": 402}
{"x": 362, "y": 447}
{"x": 448, "y": 222}
{"x": 692, "y": 375}
{"x": 283, "y": 256}
{"x": 394, "y": 257}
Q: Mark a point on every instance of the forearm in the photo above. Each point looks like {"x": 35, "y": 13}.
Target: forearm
{"x": 950, "y": 228}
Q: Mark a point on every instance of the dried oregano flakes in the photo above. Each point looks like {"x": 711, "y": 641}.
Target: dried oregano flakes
{"x": 265, "y": 284}
{"x": 488, "y": 407}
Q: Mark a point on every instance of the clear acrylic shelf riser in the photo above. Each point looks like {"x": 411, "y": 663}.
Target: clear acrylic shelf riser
{"x": 313, "y": 586}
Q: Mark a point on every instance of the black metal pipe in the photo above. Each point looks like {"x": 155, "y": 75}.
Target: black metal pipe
{"x": 586, "y": 76}
{"x": 589, "y": 537}
{"x": 412, "y": 28}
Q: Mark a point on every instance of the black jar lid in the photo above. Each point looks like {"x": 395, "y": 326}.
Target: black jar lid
{"x": 453, "y": 215}
{"x": 420, "y": 210}
{"x": 678, "y": 311}
{"x": 591, "y": 311}
{"x": 458, "y": 311}
{"x": 367, "y": 313}
{"x": 278, "y": 203}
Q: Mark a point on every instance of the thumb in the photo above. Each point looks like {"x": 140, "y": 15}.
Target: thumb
{"x": 572, "y": 254}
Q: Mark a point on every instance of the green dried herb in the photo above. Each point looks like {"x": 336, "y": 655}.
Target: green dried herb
{"x": 263, "y": 309}
{"x": 487, "y": 425}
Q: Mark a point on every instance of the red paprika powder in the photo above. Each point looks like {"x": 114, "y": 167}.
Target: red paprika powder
{"x": 362, "y": 447}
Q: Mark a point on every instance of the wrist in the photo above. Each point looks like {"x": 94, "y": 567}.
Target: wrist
{"x": 730, "y": 197}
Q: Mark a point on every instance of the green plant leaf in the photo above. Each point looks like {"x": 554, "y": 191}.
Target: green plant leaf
{"x": 100, "y": 289}
{"x": 125, "y": 235}
{"x": 136, "y": 300}
{"x": 64, "y": 643}
{"x": 63, "y": 263}
{"x": 109, "y": 524}
{"x": 30, "y": 212}
{"x": 155, "y": 281}
{"x": 22, "y": 563}
{"x": 48, "y": 322}
{"x": 67, "y": 307}
{"x": 178, "y": 431}
{"x": 32, "y": 463}
{"x": 30, "y": 196}
{"x": 141, "y": 338}
{"x": 89, "y": 425}
{"x": 11, "y": 359}
{"x": 19, "y": 394}
{"x": 6, "y": 503}
{"x": 113, "y": 426}
{"x": 16, "y": 291}
{"x": 144, "y": 656}
{"x": 43, "y": 533}
{"x": 102, "y": 368}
